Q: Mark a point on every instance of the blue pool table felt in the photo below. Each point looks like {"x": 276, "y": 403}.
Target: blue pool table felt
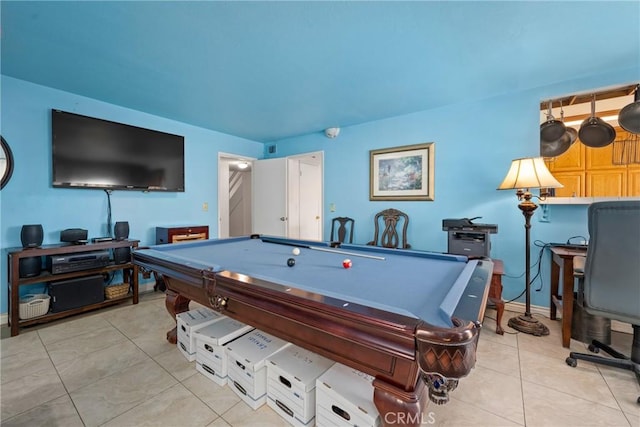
{"x": 411, "y": 283}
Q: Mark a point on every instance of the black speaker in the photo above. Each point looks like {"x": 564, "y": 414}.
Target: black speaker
{"x": 30, "y": 267}
{"x": 31, "y": 235}
{"x": 121, "y": 255}
{"x": 121, "y": 230}
{"x": 74, "y": 235}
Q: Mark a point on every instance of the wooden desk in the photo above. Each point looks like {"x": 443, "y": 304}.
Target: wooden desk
{"x": 495, "y": 293}
{"x": 562, "y": 259}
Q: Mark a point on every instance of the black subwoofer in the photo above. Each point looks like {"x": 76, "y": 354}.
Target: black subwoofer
{"x": 31, "y": 235}
{"x": 74, "y": 293}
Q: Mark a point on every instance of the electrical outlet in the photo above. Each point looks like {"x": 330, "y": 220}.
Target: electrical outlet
{"x": 544, "y": 214}
{"x": 205, "y": 207}
{"x": 332, "y": 207}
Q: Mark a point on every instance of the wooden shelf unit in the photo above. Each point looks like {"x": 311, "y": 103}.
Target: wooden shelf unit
{"x": 129, "y": 271}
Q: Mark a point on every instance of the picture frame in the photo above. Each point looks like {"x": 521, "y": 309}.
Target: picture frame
{"x": 402, "y": 173}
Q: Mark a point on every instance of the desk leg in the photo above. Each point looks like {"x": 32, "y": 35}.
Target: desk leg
{"x": 495, "y": 294}
{"x": 175, "y": 304}
{"x": 553, "y": 293}
{"x": 567, "y": 301}
{"x": 399, "y": 407}
{"x": 499, "y": 311}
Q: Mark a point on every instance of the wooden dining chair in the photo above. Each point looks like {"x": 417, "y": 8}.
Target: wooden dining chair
{"x": 344, "y": 224}
{"x": 390, "y": 220}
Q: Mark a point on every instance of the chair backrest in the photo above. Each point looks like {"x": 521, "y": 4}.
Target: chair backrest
{"x": 612, "y": 268}
{"x": 389, "y": 238}
{"x": 344, "y": 223}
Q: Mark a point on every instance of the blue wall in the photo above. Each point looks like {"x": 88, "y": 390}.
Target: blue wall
{"x": 474, "y": 145}
{"x": 29, "y": 198}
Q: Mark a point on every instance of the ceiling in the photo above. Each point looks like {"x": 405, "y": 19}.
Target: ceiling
{"x": 272, "y": 70}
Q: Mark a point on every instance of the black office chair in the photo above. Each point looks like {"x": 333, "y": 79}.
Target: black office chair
{"x": 611, "y": 281}
{"x": 344, "y": 223}
{"x": 391, "y": 219}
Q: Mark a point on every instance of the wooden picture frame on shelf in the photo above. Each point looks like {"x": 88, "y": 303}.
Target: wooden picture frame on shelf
{"x": 402, "y": 173}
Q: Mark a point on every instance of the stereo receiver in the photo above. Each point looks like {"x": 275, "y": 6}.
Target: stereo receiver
{"x": 67, "y": 263}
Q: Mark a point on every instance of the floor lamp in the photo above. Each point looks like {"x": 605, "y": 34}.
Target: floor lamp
{"x": 526, "y": 174}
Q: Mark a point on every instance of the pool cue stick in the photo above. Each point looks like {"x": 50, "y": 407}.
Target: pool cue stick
{"x": 278, "y": 241}
{"x": 317, "y": 248}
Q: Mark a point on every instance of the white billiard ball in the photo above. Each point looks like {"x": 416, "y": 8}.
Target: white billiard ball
{"x": 295, "y": 251}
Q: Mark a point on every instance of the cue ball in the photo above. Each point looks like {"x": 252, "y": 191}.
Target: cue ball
{"x": 296, "y": 251}
{"x": 291, "y": 262}
{"x": 347, "y": 263}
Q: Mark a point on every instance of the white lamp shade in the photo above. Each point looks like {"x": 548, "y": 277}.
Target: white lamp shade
{"x": 530, "y": 172}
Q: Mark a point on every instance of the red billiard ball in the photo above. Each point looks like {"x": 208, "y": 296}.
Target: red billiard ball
{"x": 347, "y": 263}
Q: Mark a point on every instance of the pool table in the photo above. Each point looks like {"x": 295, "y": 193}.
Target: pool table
{"x": 411, "y": 319}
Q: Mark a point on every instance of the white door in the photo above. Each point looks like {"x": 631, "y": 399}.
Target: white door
{"x": 310, "y": 191}
{"x": 269, "y": 201}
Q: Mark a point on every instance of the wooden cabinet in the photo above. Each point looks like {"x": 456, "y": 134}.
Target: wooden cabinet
{"x": 573, "y": 184}
{"x": 129, "y": 271}
{"x": 606, "y": 182}
{"x": 595, "y": 172}
{"x": 633, "y": 180}
{"x": 176, "y": 234}
{"x": 571, "y": 161}
{"x": 181, "y": 233}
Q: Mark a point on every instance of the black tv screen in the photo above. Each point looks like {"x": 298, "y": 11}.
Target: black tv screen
{"x": 95, "y": 153}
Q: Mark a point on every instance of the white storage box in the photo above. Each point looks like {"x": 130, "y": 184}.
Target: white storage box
{"x": 189, "y": 322}
{"x": 344, "y": 397}
{"x": 33, "y": 305}
{"x": 247, "y": 368}
{"x": 291, "y": 383}
{"x": 211, "y": 358}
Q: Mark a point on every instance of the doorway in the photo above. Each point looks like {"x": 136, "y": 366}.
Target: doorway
{"x": 234, "y": 195}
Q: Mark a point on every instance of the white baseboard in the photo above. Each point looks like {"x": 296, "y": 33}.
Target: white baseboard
{"x": 146, "y": 287}
{"x": 519, "y": 307}
{"x": 621, "y": 327}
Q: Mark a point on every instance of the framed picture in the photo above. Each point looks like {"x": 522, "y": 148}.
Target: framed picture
{"x": 402, "y": 173}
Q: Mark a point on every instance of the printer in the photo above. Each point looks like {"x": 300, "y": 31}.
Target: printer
{"x": 468, "y": 238}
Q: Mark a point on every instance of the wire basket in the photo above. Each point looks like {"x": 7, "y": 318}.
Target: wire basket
{"x": 116, "y": 291}
{"x": 33, "y": 305}
{"x": 626, "y": 151}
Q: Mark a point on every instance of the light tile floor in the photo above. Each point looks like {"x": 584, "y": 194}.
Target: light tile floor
{"x": 114, "y": 368}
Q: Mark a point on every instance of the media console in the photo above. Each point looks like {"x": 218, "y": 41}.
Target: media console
{"x": 74, "y": 253}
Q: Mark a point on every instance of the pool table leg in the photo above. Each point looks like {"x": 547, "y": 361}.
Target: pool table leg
{"x": 175, "y": 304}
{"x": 399, "y": 407}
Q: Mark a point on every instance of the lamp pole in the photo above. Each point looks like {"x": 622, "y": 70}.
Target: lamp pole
{"x": 526, "y": 323}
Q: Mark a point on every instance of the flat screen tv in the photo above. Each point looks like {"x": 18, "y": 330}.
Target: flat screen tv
{"x": 100, "y": 154}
